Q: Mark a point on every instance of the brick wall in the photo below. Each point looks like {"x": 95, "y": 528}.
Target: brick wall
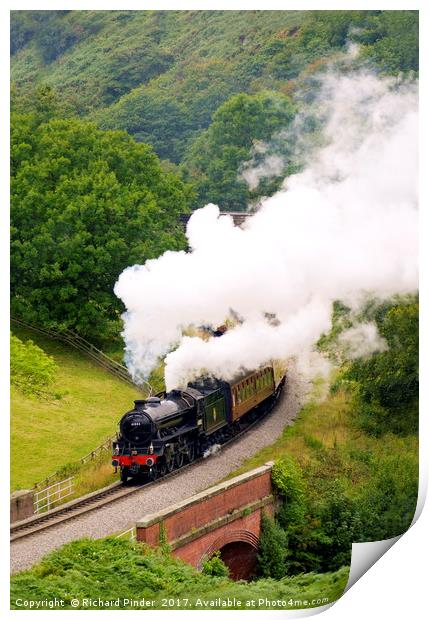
{"x": 226, "y": 513}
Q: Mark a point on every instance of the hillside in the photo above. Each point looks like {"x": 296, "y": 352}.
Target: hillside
{"x": 49, "y": 434}
{"x": 161, "y": 75}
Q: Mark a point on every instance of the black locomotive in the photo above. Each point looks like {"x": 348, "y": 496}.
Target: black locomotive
{"x": 165, "y": 431}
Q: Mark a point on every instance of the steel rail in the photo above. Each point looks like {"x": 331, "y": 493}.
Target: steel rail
{"x": 115, "y": 491}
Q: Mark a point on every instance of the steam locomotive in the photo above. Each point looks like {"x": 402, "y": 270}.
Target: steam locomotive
{"x": 163, "y": 432}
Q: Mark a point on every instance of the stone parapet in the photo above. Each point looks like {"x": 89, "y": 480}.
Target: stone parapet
{"x": 21, "y": 505}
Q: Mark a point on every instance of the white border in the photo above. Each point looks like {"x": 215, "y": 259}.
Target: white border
{"x": 395, "y": 586}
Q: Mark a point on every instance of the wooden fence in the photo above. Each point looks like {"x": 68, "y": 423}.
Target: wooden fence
{"x": 106, "y": 446}
{"x": 118, "y": 370}
{"x": 115, "y": 368}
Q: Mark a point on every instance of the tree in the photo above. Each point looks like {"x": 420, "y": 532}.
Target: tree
{"x": 85, "y": 204}
{"x": 391, "y": 40}
{"x": 273, "y": 551}
{"x": 386, "y": 385}
{"x": 216, "y": 156}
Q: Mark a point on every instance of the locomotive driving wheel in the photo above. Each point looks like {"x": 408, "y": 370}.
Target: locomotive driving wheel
{"x": 170, "y": 460}
{"x": 190, "y": 451}
{"x": 179, "y": 457}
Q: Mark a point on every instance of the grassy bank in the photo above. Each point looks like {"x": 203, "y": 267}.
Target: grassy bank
{"x": 326, "y": 430}
{"x": 85, "y": 409}
{"x": 114, "y": 570}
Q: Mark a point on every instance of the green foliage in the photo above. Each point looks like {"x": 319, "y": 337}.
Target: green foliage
{"x": 53, "y": 33}
{"x": 340, "y": 527}
{"x": 113, "y": 569}
{"x": 319, "y": 524}
{"x": 386, "y": 385}
{"x": 336, "y": 496}
{"x": 55, "y": 39}
{"x": 215, "y": 567}
{"x": 287, "y": 479}
{"x": 323, "y": 34}
{"x": 387, "y": 503}
{"x": 215, "y": 158}
{"x": 341, "y": 321}
{"x": 163, "y": 545}
{"x": 85, "y": 204}
{"x": 273, "y": 549}
{"x": 43, "y": 102}
{"x": 161, "y": 75}
{"x": 158, "y": 120}
{"x": 391, "y": 40}
{"x": 32, "y": 371}
{"x": 22, "y": 29}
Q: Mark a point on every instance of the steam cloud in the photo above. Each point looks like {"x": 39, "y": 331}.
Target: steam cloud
{"x": 271, "y": 166}
{"x": 344, "y": 228}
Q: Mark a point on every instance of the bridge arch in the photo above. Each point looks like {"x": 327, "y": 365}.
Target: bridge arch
{"x": 238, "y": 550}
{"x": 225, "y": 518}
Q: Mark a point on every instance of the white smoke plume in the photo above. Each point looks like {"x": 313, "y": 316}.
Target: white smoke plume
{"x": 343, "y": 228}
{"x": 214, "y": 449}
{"x": 272, "y": 165}
{"x": 361, "y": 340}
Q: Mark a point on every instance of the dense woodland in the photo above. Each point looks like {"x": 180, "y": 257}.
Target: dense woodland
{"x": 193, "y": 93}
{"x": 122, "y": 120}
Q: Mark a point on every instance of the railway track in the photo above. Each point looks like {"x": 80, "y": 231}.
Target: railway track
{"x": 113, "y": 492}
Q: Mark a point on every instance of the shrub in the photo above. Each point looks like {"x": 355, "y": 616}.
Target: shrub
{"x": 32, "y": 371}
{"x": 215, "y": 566}
{"x": 272, "y": 556}
{"x": 108, "y": 568}
{"x": 288, "y": 480}
{"x": 388, "y": 501}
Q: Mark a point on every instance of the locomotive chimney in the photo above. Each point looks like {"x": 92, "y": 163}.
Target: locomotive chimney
{"x": 139, "y": 404}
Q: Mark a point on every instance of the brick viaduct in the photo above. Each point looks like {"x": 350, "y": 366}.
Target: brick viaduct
{"x": 225, "y": 518}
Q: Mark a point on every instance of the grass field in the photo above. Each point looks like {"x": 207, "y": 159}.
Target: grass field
{"x": 49, "y": 434}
